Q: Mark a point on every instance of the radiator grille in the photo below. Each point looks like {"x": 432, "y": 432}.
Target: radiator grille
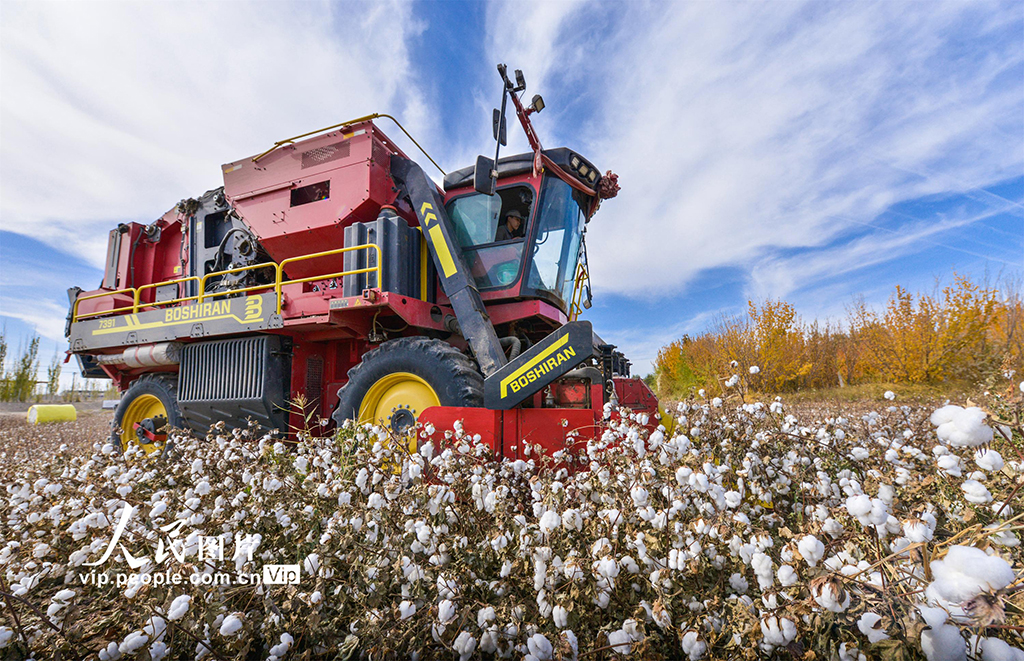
{"x": 226, "y": 369}
{"x": 325, "y": 154}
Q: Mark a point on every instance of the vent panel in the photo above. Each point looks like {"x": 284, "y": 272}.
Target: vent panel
{"x": 325, "y": 154}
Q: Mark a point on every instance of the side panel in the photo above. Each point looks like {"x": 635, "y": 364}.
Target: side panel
{"x": 544, "y": 362}
{"x": 220, "y": 316}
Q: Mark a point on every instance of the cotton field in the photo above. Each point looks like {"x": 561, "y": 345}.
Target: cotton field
{"x": 748, "y": 534}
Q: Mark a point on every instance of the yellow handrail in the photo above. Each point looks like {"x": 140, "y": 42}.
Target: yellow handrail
{"x": 376, "y": 115}
{"x": 279, "y": 282}
{"x": 153, "y": 285}
{"x": 576, "y": 307}
{"x": 370, "y": 269}
{"x": 74, "y": 310}
{"x": 251, "y": 267}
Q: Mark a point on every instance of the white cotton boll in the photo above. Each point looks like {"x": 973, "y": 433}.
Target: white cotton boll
{"x": 967, "y": 571}
{"x": 778, "y": 631}
{"x": 539, "y": 647}
{"x": 282, "y": 647}
{"x": 787, "y": 576}
{"x": 406, "y": 609}
{"x": 232, "y": 624}
{"x": 560, "y": 616}
{"x": 133, "y": 643}
{"x": 762, "y": 565}
{"x": 692, "y": 645}
{"x": 961, "y": 427}
{"x": 868, "y": 624}
{"x": 831, "y": 596}
{"x": 754, "y": 369}
{"x": 179, "y": 607}
{"x": 890, "y": 395}
{"x": 316, "y": 597}
{"x": 950, "y": 464}
{"x": 716, "y": 402}
{"x": 811, "y": 549}
{"x": 989, "y": 460}
{"x": 465, "y": 645}
{"x": 919, "y": 530}
{"x": 572, "y": 520}
{"x": 733, "y": 499}
{"x": 550, "y": 521}
{"x": 110, "y": 652}
{"x": 993, "y": 649}
{"x": 446, "y": 611}
{"x": 941, "y": 642}
{"x": 485, "y": 616}
{"x": 158, "y": 651}
{"x": 158, "y": 509}
{"x": 732, "y": 381}
{"x": 976, "y": 492}
{"x": 738, "y": 583}
{"x": 619, "y": 641}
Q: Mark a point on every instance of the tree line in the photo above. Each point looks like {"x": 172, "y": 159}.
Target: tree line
{"x": 963, "y": 332}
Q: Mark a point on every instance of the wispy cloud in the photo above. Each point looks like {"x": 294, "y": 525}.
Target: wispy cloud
{"x": 114, "y": 111}
{"x": 755, "y": 127}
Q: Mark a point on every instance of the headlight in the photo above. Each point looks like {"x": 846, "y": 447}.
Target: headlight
{"x": 574, "y": 161}
{"x": 584, "y": 170}
{"x": 593, "y": 176}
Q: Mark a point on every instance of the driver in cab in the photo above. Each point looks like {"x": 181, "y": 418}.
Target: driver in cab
{"x": 512, "y": 228}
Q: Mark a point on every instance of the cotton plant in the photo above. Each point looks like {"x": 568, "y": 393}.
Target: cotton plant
{"x": 752, "y": 528}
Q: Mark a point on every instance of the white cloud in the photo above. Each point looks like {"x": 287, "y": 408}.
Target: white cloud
{"x": 776, "y": 277}
{"x": 114, "y": 111}
{"x": 741, "y": 128}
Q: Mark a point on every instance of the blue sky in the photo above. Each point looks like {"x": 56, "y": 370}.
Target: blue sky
{"x": 813, "y": 151}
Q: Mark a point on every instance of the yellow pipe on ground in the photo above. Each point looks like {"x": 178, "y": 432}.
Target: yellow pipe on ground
{"x": 51, "y": 413}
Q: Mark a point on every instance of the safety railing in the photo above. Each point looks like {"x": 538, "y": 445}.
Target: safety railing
{"x": 291, "y": 260}
{"x": 576, "y": 307}
{"x": 279, "y": 282}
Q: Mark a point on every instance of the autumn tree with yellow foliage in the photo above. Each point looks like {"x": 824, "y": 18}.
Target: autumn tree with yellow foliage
{"x": 966, "y": 332}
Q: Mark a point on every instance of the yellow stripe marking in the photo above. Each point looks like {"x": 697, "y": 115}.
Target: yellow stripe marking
{"x": 159, "y": 324}
{"x": 425, "y": 206}
{"x": 426, "y": 219}
{"x": 444, "y": 255}
{"x": 532, "y": 363}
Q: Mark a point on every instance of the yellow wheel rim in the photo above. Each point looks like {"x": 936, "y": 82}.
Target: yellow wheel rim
{"x": 142, "y": 407}
{"x": 396, "y": 402}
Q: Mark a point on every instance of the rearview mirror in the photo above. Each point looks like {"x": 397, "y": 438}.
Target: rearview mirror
{"x": 484, "y": 175}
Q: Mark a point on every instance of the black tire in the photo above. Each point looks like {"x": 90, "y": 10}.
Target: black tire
{"x": 164, "y": 387}
{"x": 452, "y": 375}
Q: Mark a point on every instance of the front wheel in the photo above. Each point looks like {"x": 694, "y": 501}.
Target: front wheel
{"x": 397, "y": 381}
{"x": 146, "y": 411}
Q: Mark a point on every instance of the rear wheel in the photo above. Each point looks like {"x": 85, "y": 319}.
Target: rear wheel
{"x": 148, "y": 409}
{"x": 401, "y": 378}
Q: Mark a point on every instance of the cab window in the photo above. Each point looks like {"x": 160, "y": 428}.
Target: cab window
{"x": 493, "y": 254}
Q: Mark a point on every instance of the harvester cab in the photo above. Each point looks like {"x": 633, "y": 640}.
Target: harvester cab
{"x": 331, "y": 277}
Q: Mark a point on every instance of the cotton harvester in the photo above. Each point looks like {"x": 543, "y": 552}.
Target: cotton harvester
{"x": 331, "y": 271}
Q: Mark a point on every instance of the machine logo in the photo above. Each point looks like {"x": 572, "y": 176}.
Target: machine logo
{"x": 544, "y": 362}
